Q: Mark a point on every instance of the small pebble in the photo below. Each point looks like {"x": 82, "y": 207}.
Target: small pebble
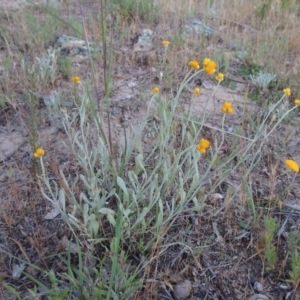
{"x": 182, "y": 290}
{"x": 258, "y": 287}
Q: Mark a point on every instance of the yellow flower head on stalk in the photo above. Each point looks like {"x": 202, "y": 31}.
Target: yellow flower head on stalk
{"x": 194, "y": 64}
{"x": 205, "y": 61}
{"x": 197, "y": 91}
{"x": 155, "y": 90}
{"x": 220, "y": 77}
{"x": 227, "y": 108}
{"x": 166, "y": 43}
{"x": 297, "y": 102}
{"x": 76, "y": 79}
{"x": 39, "y": 152}
{"x": 287, "y": 92}
{"x": 210, "y": 67}
{"x": 203, "y": 145}
{"x": 292, "y": 165}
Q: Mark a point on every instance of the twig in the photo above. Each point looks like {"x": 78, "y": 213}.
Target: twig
{"x": 282, "y": 228}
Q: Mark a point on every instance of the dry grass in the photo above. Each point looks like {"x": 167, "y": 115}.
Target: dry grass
{"x": 221, "y": 248}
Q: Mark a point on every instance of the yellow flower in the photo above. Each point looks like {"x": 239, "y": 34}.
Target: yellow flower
{"x": 292, "y": 165}
{"x": 220, "y": 77}
{"x": 287, "y": 92}
{"x": 227, "y": 108}
{"x": 201, "y": 150}
{"x": 165, "y": 43}
{"x": 39, "y": 152}
{"x": 210, "y": 67}
{"x": 194, "y": 64}
{"x": 205, "y": 61}
{"x": 297, "y": 102}
{"x": 203, "y": 145}
{"x": 76, "y": 79}
{"x": 155, "y": 90}
{"x": 197, "y": 91}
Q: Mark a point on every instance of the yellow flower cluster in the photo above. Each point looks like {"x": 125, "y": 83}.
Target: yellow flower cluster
{"x": 210, "y": 66}
{"x": 220, "y": 77}
{"x": 39, "y": 152}
{"x": 297, "y": 102}
{"x": 287, "y": 92}
{"x": 227, "y": 108}
{"x": 205, "y": 61}
{"x": 165, "y": 43}
{"x": 194, "y": 64}
{"x": 203, "y": 145}
{"x": 292, "y": 165}
{"x": 155, "y": 90}
{"x": 197, "y": 91}
{"x": 76, "y": 79}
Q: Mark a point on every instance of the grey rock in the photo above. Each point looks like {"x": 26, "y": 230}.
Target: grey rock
{"x": 143, "y": 41}
{"x": 194, "y": 26}
{"x": 182, "y": 290}
{"x": 73, "y": 47}
{"x": 258, "y": 287}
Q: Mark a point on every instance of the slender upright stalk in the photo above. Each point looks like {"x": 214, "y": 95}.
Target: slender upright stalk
{"x": 106, "y": 70}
